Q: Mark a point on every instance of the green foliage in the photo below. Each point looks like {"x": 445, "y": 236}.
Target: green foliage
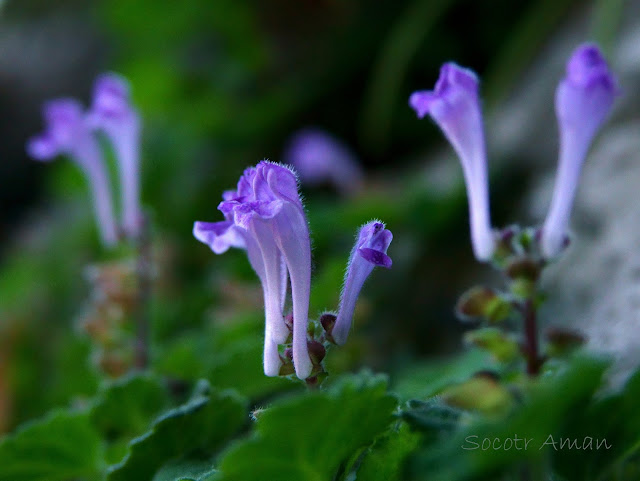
{"x": 200, "y": 425}
{"x": 421, "y": 381}
{"x": 547, "y": 406}
{"x": 62, "y": 446}
{"x": 310, "y": 436}
{"x": 126, "y": 407}
{"x": 385, "y": 460}
{"x": 431, "y": 416}
{"x": 614, "y": 418}
{"x": 186, "y": 470}
{"x": 228, "y": 353}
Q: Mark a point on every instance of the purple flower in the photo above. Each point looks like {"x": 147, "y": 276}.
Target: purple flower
{"x": 68, "y": 133}
{"x": 455, "y": 107}
{"x": 112, "y": 113}
{"x": 319, "y": 157}
{"x": 370, "y": 250}
{"x": 265, "y": 216}
{"x": 583, "y": 101}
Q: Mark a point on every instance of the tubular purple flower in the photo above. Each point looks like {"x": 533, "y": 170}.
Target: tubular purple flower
{"x": 370, "y": 250}
{"x": 584, "y": 99}
{"x": 319, "y": 157}
{"x": 67, "y": 133}
{"x": 112, "y": 113}
{"x": 266, "y": 213}
{"x": 291, "y": 234}
{"x": 455, "y": 107}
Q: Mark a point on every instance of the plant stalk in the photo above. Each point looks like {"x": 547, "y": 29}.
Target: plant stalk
{"x": 531, "y": 338}
{"x": 143, "y": 271}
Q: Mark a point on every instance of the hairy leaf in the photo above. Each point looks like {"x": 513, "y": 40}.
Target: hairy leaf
{"x": 62, "y": 446}
{"x": 201, "y": 424}
{"x": 310, "y": 436}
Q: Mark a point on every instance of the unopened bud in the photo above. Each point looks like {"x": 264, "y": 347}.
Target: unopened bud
{"x": 482, "y": 303}
{"x": 288, "y": 321}
{"x": 316, "y": 351}
{"x": 480, "y": 393}
{"x": 562, "y": 341}
{"x": 286, "y": 369}
{"x": 312, "y": 382}
{"x": 288, "y": 354}
{"x": 502, "y": 347}
{"x": 523, "y": 268}
{"x": 328, "y": 320}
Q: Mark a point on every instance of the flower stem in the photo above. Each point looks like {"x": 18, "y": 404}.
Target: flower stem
{"x": 143, "y": 271}
{"x": 531, "y": 338}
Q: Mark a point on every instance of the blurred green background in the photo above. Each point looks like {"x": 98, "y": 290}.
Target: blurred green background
{"x": 221, "y": 85}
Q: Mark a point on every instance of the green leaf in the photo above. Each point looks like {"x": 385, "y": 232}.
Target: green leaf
{"x": 614, "y": 418}
{"x": 309, "y": 436}
{"x": 385, "y": 459}
{"x": 421, "y": 381}
{"x": 128, "y": 405}
{"x": 62, "y": 446}
{"x": 201, "y": 424}
{"x": 431, "y": 416}
{"x": 236, "y": 363}
{"x": 229, "y": 354}
{"x": 186, "y": 470}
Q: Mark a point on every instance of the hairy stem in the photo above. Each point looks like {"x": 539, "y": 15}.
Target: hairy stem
{"x": 143, "y": 271}
{"x": 531, "y": 338}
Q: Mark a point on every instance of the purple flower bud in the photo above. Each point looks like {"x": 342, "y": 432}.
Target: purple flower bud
{"x": 583, "y": 101}
{"x": 318, "y": 158}
{"x": 266, "y": 213}
{"x": 370, "y": 250}
{"x": 112, "y": 113}
{"x": 67, "y": 133}
{"x": 455, "y": 107}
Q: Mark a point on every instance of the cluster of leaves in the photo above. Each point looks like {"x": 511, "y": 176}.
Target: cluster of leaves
{"x": 134, "y": 430}
{"x": 574, "y": 429}
{"x": 143, "y": 427}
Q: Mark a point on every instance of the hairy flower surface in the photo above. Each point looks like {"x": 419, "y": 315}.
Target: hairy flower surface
{"x": 454, "y": 105}
{"x": 369, "y": 251}
{"x": 112, "y": 113}
{"x": 584, "y": 98}
{"x": 67, "y": 132}
{"x": 265, "y": 216}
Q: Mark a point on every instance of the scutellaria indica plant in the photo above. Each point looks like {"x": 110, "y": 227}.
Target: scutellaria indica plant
{"x": 265, "y": 216}
{"x": 142, "y": 424}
